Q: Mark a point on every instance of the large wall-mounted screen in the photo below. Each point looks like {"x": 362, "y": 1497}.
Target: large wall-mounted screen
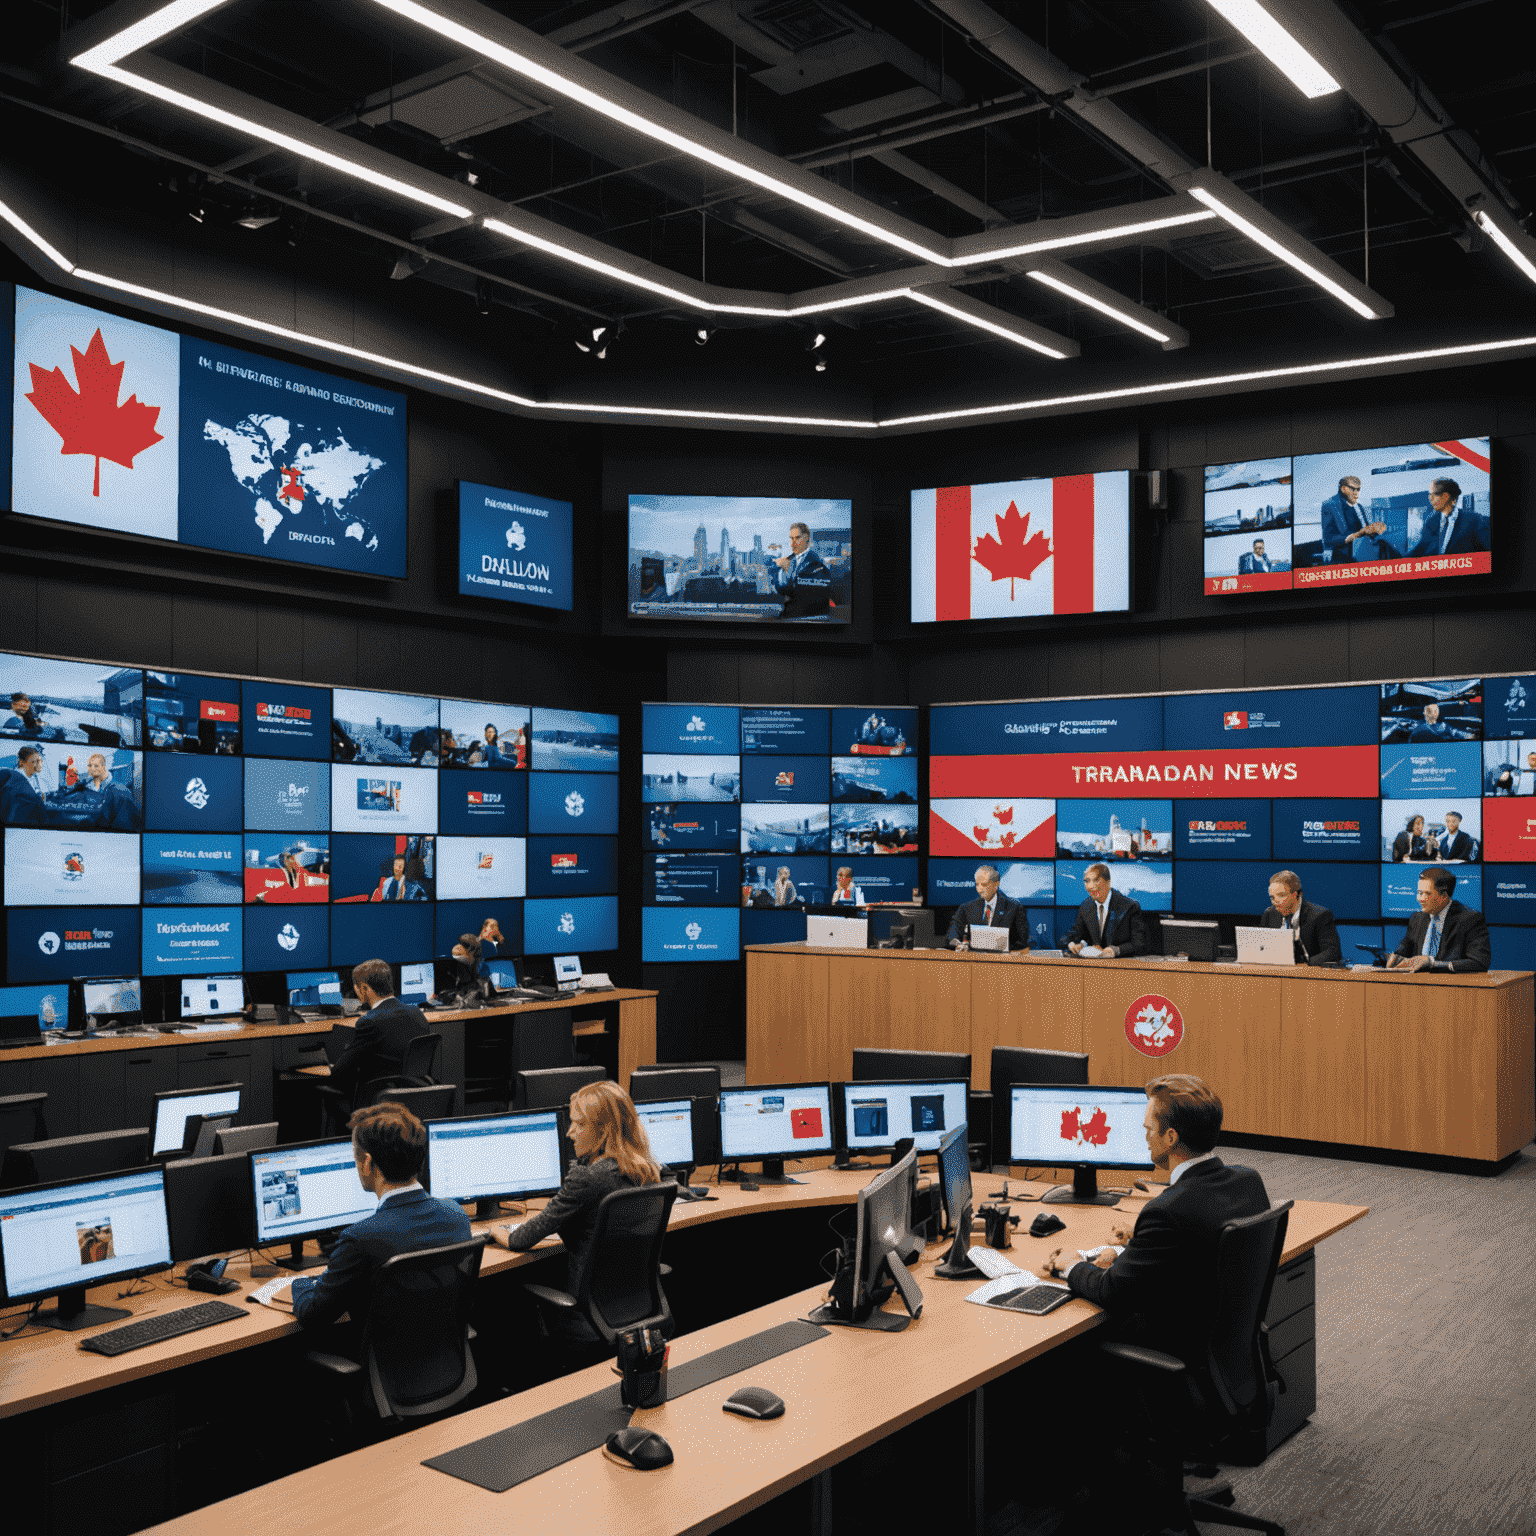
{"x": 515, "y": 547}
{"x": 1022, "y": 549}
{"x": 1359, "y": 516}
{"x": 129, "y": 428}
{"x": 746, "y": 559}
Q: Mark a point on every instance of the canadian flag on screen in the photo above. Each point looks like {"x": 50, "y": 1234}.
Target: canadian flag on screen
{"x": 1021, "y": 548}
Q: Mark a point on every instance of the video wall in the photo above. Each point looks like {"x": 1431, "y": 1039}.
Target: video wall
{"x": 754, "y": 813}
{"x": 1363, "y": 515}
{"x": 166, "y": 824}
{"x": 1195, "y": 799}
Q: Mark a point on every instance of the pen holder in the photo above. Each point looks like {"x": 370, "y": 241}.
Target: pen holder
{"x": 643, "y": 1368}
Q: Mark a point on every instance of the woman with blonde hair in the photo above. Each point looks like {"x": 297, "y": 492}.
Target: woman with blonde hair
{"x": 612, "y": 1152}
{"x": 784, "y": 893}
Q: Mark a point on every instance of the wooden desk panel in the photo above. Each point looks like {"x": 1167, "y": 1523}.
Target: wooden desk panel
{"x": 1039, "y": 1006}
{"x": 787, "y": 1017}
{"x": 921, "y": 1005}
{"x": 1322, "y": 1061}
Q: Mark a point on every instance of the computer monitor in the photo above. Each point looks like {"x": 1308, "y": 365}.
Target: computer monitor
{"x": 1198, "y": 938}
{"x": 769, "y": 1123}
{"x": 955, "y": 1185}
{"x": 304, "y": 1190}
{"x": 175, "y": 1108}
{"x": 205, "y": 997}
{"x": 207, "y": 1205}
{"x": 876, "y": 1116}
{"x": 58, "y": 1239}
{"x": 417, "y": 982}
{"x": 567, "y": 971}
{"x": 1067, "y": 1125}
{"x": 490, "y": 1158}
{"x": 314, "y": 989}
{"x": 668, "y": 1125}
{"x": 883, "y": 1246}
{"x": 552, "y": 1087}
{"x": 74, "y": 1157}
{"x": 47, "y": 1005}
{"x": 113, "y": 1001}
{"x": 504, "y": 974}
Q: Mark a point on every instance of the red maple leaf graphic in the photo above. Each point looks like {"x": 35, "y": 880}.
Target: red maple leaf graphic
{"x": 1016, "y": 553}
{"x": 981, "y": 833}
{"x": 1095, "y": 1129}
{"x": 1008, "y": 839}
{"x": 92, "y": 422}
{"x": 292, "y": 487}
{"x": 1069, "y": 1125}
{"x": 1004, "y": 814}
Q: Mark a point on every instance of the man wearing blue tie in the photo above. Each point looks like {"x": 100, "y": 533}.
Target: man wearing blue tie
{"x": 803, "y": 578}
{"x": 1448, "y": 530}
{"x": 1444, "y": 936}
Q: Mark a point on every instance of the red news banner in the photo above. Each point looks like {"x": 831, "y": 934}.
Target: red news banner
{"x": 1281, "y": 773}
{"x": 1473, "y": 563}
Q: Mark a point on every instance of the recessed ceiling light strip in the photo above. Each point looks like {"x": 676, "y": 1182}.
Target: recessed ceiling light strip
{"x": 1516, "y": 244}
{"x": 1278, "y": 46}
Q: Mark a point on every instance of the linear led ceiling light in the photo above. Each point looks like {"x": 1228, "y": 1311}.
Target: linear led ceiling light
{"x": 1513, "y": 241}
{"x": 1278, "y": 46}
{"x": 1009, "y": 327}
{"x": 1107, "y": 235}
{"x": 1244, "y": 214}
{"x": 1085, "y": 290}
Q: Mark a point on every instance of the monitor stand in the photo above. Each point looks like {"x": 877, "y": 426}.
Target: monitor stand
{"x": 773, "y": 1173}
{"x": 956, "y": 1264}
{"x": 297, "y": 1258}
{"x": 487, "y": 1210}
{"x": 74, "y": 1312}
{"x": 1084, "y": 1191}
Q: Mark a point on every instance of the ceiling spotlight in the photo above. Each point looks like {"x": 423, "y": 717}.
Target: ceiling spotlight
{"x": 408, "y": 264}
{"x": 702, "y": 335}
{"x": 819, "y": 339}
{"x": 821, "y": 365}
{"x": 255, "y": 218}
{"x": 597, "y": 346}
{"x": 482, "y": 296}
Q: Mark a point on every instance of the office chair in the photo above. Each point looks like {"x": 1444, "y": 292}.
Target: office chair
{"x": 552, "y": 1087}
{"x": 21, "y": 1119}
{"x": 620, "y": 1289}
{"x": 433, "y": 1101}
{"x": 1220, "y": 1411}
{"x": 879, "y": 1065}
{"x": 415, "y": 1356}
{"x": 533, "y": 1039}
{"x": 1026, "y": 1064}
{"x": 416, "y": 1067}
{"x": 246, "y": 1138}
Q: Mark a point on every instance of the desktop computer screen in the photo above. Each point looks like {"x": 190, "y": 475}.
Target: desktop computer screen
{"x": 116, "y": 998}
{"x": 494, "y": 1156}
{"x": 1078, "y": 1126}
{"x": 172, "y": 1111}
{"x": 417, "y": 982}
{"x": 204, "y": 997}
{"x": 878, "y": 1115}
{"x": 313, "y": 989}
{"x": 304, "y": 1190}
{"x": 779, "y": 1121}
{"x": 48, "y": 1005}
{"x": 567, "y": 970}
{"x": 668, "y": 1125}
{"x": 503, "y": 973}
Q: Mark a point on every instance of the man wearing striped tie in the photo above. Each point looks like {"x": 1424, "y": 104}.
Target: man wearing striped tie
{"x": 1445, "y": 936}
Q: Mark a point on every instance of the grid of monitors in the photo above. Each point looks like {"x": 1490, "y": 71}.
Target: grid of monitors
{"x": 1361, "y": 515}
{"x": 170, "y": 824}
{"x": 752, "y": 813}
{"x": 1194, "y": 800}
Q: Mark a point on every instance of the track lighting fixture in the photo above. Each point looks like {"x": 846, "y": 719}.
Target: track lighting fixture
{"x": 408, "y": 264}
{"x": 702, "y": 335}
{"x": 482, "y": 296}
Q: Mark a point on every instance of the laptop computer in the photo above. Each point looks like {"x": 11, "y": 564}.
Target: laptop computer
{"x": 1266, "y": 946}
{"x": 18, "y": 1030}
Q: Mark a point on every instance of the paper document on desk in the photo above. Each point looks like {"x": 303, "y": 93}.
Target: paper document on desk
{"x": 213, "y": 1027}
{"x": 1090, "y": 1254}
{"x": 984, "y": 1295}
{"x": 267, "y": 1294}
{"x": 992, "y": 1264}
{"x": 1089, "y": 952}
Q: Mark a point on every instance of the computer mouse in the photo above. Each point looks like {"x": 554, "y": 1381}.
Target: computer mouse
{"x": 755, "y": 1403}
{"x": 642, "y": 1449}
{"x": 1044, "y": 1224}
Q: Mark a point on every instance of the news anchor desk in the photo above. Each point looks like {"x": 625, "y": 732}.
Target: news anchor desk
{"x": 110, "y": 1081}
{"x": 1439, "y": 1064}
{"x": 845, "y": 1393}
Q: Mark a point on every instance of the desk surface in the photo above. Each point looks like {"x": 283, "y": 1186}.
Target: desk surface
{"x": 725, "y": 1466}
{"x": 49, "y": 1367}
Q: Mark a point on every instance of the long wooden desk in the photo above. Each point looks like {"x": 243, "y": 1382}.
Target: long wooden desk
{"x": 1441, "y": 1064}
{"x": 845, "y": 1393}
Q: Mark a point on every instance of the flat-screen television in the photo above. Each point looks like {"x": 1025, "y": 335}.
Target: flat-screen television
{"x": 514, "y": 547}
{"x": 1022, "y": 549}
{"x": 1404, "y": 513}
{"x": 743, "y": 559}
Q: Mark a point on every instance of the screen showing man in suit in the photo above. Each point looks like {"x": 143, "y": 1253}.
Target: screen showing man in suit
{"x": 1108, "y": 923}
{"x": 1445, "y": 935}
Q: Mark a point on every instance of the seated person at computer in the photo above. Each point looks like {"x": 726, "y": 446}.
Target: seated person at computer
{"x": 1412, "y": 846}
{"x": 991, "y": 909}
{"x": 389, "y": 1145}
{"x": 1443, "y": 935}
{"x": 1107, "y": 921}
{"x": 612, "y": 1152}
{"x": 381, "y": 1035}
{"x": 846, "y": 892}
{"x": 1312, "y": 924}
{"x": 1160, "y": 1292}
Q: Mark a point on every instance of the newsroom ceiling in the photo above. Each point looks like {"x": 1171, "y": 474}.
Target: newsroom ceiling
{"x": 950, "y": 125}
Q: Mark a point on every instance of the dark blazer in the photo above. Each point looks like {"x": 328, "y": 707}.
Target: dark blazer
{"x": 112, "y": 807}
{"x": 1166, "y": 1278}
{"x": 1318, "y": 935}
{"x": 20, "y": 804}
{"x": 1491, "y": 785}
{"x": 404, "y": 1223}
{"x": 1340, "y": 520}
{"x": 1007, "y": 914}
{"x": 1469, "y": 535}
{"x": 573, "y": 1214}
{"x": 808, "y": 590}
{"x": 1462, "y": 846}
{"x": 1127, "y": 927}
{"x": 1464, "y": 942}
{"x": 379, "y": 1042}
{"x": 1252, "y": 564}
{"x": 1406, "y": 845}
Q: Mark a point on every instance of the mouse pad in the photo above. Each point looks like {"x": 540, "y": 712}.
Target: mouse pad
{"x": 511, "y": 1456}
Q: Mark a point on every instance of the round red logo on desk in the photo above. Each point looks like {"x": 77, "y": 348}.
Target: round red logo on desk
{"x": 1154, "y": 1025}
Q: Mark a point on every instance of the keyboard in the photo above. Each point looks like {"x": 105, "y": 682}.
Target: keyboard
{"x": 1037, "y": 1300}
{"x": 162, "y": 1326}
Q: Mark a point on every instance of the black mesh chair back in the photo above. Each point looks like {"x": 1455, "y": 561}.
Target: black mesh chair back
{"x": 1026, "y": 1064}
{"x": 701, "y": 1083}
{"x": 878, "y": 1065}
{"x": 21, "y": 1119}
{"x": 552, "y": 1087}
{"x": 621, "y": 1287}
{"x": 433, "y": 1102}
{"x": 1247, "y": 1258}
{"x": 416, "y": 1335}
{"x": 542, "y": 1037}
{"x": 684, "y": 1085}
{"x": 420, "y": 1060}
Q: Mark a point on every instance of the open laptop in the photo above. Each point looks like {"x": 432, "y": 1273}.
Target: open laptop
{"x": 1266, "y": 946}
{"x": 836, "y": 932}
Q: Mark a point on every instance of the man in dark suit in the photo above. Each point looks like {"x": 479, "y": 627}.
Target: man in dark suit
{"x": 1432, "y": 728}
{"x": 1254, "y": 564}
{"x": 21, "y": 794}
{"x": 1161, "y": 1290}
{"x": 380, "y": 1036}
{"x": 1456, "y": 844}
{"x": 991, "y": 909}
{"x": 1107, "y": 920}
{"x": 1312, "y": 924}
{"x": 389, "y": 1144}
{"x": 802, "y": 576}
{"x": 1444, "y": 936}
{"x": 1346, "y": 530}
{"x": 1448, "y": 530}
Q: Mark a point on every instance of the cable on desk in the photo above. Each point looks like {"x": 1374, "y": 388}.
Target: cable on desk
{"x": 25, "y": 1322}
